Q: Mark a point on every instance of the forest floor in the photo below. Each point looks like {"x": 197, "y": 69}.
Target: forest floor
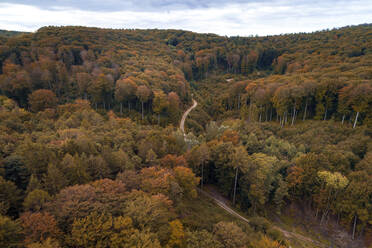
{"x": 305, "y": 236}
{"x": 298, "y": 217}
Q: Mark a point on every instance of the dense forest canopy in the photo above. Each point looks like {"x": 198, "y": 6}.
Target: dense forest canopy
{"x": 91, "y": 156}
{"x": 321, "y": 75}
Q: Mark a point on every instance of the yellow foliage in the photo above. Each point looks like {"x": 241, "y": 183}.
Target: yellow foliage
{"x": 177, "y": 234}
{"x": 266, "y": 242}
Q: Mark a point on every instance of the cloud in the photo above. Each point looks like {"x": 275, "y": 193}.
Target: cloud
{"x": 231, "y": 18}
{"x": 128, "y": 5}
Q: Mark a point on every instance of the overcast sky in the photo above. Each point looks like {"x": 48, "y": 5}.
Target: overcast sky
{"x": 223, "y": 17}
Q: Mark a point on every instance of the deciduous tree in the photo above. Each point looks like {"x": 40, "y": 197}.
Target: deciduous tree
{"x": 143, "y": 93}
{"x": 42, "y": 99}
{"x": 39, "y": 226}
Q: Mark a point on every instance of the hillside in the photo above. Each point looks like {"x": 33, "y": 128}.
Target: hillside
{"x": 6, "y": 33}
{"x": 325, "y": 71}
{"x": 91, "y": 153}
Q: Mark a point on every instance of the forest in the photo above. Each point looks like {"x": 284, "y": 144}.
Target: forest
{"x": 91, "y": 154}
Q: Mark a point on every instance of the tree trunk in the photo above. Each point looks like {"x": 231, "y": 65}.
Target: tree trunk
{"x": 293, "y": 116}
{"x": 355, "y": 221}
{"x": 343, "y": 119}
{"x": 285, "y": 119}
{"x": 324, "y": 215}
{"x": 142, "y": 109}
{"x": 356, "y": 120}
{"x": 250, "y": 112}
{"x": 362, "y": 230}
{"x": 236, "y": 181}
{"x": 129, "y": 105}
{"x": 286, "y": 116}
{"x": 121, "y": 108}
{"x": 281, "y": 121}
{"x": 305, "y": 111}
{"x": 259, "y": 120}
{"x": 328, "y": 217}
{"x": 159, "y": 119}
{"x": 202, "y": 176}
{"x": 58, "y": 93}
{"x": 271, "y": 113}
{"x": 325, "y": 114}
{"x": 239, "y": 101}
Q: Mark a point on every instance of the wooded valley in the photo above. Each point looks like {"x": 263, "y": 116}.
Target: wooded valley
{"x": 91, "y": 154}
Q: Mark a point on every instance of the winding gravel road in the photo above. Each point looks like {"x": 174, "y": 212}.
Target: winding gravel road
{"x": 223, "y": 205}
{"x": 182, "y": 123}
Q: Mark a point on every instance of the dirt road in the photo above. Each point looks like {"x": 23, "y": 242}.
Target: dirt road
{"x": 220, "y": 201}
{"x": 228, "y": 209}
{"x": 182, "y": 123}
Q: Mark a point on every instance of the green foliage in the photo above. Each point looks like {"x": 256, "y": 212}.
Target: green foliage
{"x": 9, "y": 197}
{"x": 261, "y": 178}
{"x": 259, "y": 224}
{"x": 54, "y": 180}
{"x": 333, "y": 180}
{"x": 33, "y": 184}
{"x": 10, "y": 232}
{"x": 48, "y": 243}
{"x": 149, "y": 212}
{"x": 36, "y": 200}
{"x": 36, "y": 156}
{"x": 187, "y": 181}
{"x": 304, "y": 103}
{"x": 101, "y": 230}
{"x": 8, "y": 33}
{"x": 202, "y": 239}
{"x": 15, "y": 171}
{"x": 230, "y": 235}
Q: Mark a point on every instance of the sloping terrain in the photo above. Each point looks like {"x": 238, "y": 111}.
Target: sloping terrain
{"x": 93, "y": 150}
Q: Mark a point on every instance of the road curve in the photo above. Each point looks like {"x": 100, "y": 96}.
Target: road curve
{"x": 287, "y": 234}
{"x": 182, "y": 123}
{"x": 223, "y": 205}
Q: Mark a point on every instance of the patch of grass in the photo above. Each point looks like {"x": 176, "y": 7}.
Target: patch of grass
{"x": 202, "y": 213}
